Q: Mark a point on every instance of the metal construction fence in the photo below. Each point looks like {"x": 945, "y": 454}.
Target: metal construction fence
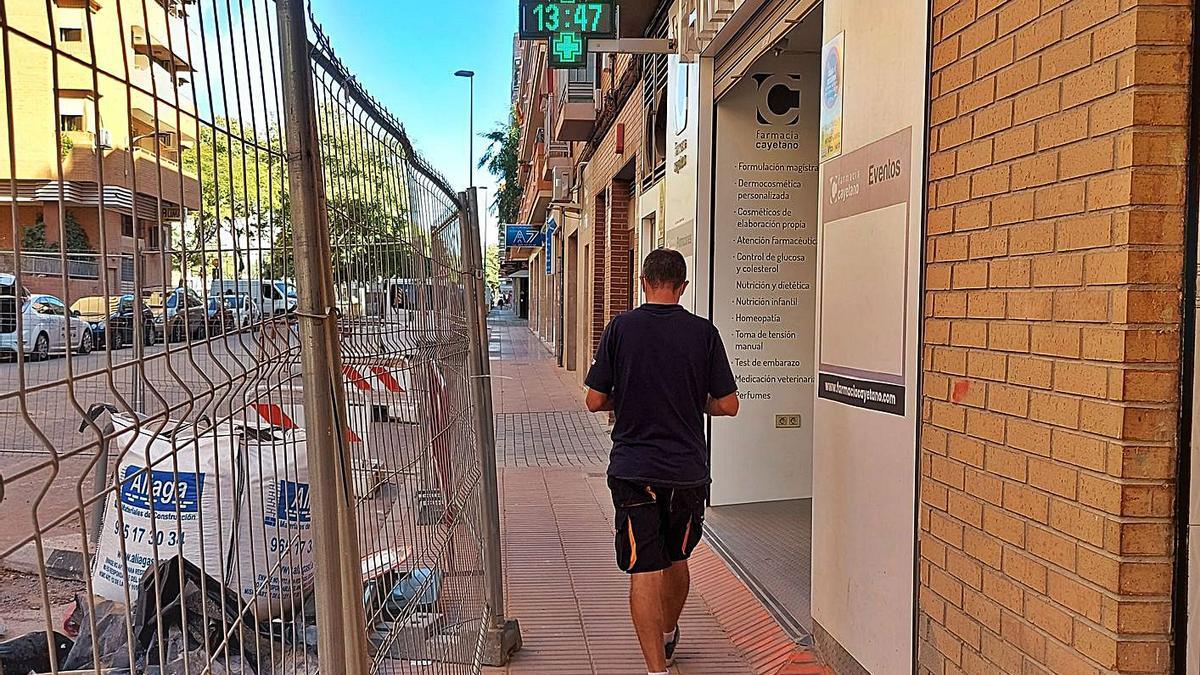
{"x": 245, "y": 425}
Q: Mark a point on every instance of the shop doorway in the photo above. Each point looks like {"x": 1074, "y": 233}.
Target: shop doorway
{"x": 571, "y": 324}
{"x": 647, "y": 240}
{"x": 763, "y": 273}
{"x": 589, "y": 297}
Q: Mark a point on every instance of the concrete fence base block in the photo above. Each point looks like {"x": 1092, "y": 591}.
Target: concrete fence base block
{"x": 61, "y": 562}
{"x": 501, "y": 642}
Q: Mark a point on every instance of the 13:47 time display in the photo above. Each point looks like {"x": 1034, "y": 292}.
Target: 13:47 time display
{"x": 555, "y": 16}
{"x": 542, "y": 19}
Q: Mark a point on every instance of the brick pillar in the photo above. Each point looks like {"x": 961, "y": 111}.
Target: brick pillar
{"x": 617, "y": 282}
{"x": 1051, "y": 353}
{"x": 599, "y": 239}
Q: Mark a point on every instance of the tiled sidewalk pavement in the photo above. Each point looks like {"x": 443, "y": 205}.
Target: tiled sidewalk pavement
{"x": 545, "y": 439}
{"x": 557, "y": 521}
{"x": 524, "y": 378}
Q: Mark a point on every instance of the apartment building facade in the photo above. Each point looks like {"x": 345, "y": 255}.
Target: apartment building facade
{"x": 951, "y": 247}
{"x": 96, "y": 150}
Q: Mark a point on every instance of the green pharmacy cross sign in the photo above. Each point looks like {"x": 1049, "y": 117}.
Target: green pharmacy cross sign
{"x": 567, "y": 26}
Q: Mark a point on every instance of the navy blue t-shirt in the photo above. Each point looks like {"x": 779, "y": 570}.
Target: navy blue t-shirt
{"x": 659, "y": 364}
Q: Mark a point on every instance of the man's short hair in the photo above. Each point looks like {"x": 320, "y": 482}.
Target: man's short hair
{"x": 664, "y": 267}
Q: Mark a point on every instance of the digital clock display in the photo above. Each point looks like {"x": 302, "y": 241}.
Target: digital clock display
{"x": 541, "y": 19}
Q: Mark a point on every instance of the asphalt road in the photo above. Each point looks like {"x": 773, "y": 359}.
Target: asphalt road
{"x": 47, "y": 463}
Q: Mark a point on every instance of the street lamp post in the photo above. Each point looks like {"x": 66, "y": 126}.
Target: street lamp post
{"x": 470, "y": 75}
{"x": 139, "y": 327}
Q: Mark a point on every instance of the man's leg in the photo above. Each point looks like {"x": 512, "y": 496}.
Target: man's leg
{"x": 676, "y": 583}
{"x": 647, "y": 602}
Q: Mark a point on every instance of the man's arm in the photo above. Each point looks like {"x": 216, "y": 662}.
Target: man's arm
{"x": 723, "y": 398}
{"x": 601, "y": 377}
{"x": 598, "y": 402}
{"x": 726, "y": 406}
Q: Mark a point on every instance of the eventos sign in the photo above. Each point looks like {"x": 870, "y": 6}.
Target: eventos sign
{"x": 865, "y": 309}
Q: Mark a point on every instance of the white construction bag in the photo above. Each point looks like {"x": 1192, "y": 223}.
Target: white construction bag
{"x": 272, "y": 561}
{"x": 176, "y": 496}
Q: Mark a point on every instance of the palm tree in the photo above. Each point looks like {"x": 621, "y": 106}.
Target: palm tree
{"x": 500, "y": 160}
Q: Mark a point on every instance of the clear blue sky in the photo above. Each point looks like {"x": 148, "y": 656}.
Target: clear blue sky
{"x": 405, "y": 52}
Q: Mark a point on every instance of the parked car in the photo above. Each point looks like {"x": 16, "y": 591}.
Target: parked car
{"x": 179, "y": 315}
{"x": 220, "y": 317}
{"x": 246, "y": 312}
{"x": 119, "y": 330}
{"x": 47, "y": 326}
{"x": 273, "y": 297}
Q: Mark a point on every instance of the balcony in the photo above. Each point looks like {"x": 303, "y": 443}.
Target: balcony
{"x": 558, "y": 155}
{"x": 170, "y": 53}
{"x": 51, "y": 264}
{"x": 173, "y": 7}
{"x": 635, "y": 16}
{"x": 538, "y": 191}
{"x": 532, "y": 102}
{"x": 93, "y": 5}
{"x": 575, "y": 103}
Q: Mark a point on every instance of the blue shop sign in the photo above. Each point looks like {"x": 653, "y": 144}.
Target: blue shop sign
{"x": 551, "y": 228}
{"x": 522, "y": 236}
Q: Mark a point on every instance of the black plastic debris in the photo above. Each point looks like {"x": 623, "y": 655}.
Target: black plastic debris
{"x": 184, "y": 615}
{"x": 32, "y": 654}
{"x": 111, "y": 636}
{"x": 184, "y": 621}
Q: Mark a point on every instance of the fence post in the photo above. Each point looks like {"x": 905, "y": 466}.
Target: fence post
{"x": 503, "y": 635}
{"x": 341, "y": 620}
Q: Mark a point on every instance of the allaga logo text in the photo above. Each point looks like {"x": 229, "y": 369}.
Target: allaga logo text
{"x": 292, "y": 504}
{"x": 165, "y": 491}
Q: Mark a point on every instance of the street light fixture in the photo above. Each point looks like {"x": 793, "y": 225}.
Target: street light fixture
{"x": 139, "y": 327}
{"x": 162, "y": 137}
{"x": 470, "y": 75}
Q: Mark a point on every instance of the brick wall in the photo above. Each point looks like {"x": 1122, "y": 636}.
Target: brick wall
{"x": 619, "y": 206}
{"x": 1051, "y": 354}
{"x": 599, "y": 273}
{"x": 599, "y": 187}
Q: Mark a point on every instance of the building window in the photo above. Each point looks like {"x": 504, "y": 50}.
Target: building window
{"x": 71, "y": 113}
{"x": 126, "y": 269}
{"x": 126, "y": 225}
{"x": 153, "y": 237}
{"x": 654, "y": 106}
{"x": 68, "y": 122}
{"x": 70, "y": 35}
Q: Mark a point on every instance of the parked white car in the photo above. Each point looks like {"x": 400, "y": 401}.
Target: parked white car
{"x": 48, "y": 325}
{"x": 246, "y": 312}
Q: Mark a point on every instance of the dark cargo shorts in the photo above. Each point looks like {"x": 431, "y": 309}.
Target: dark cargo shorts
{"x": 656, "y": 526}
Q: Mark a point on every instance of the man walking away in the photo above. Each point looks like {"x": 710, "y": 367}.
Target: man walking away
{"x": 660, "y": 368}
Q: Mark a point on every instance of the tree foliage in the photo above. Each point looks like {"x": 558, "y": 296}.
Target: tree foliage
{"x": 367, "y": 201}
{"x": 491, "y": 267}
{"x": 501, "y": 160}
{"x": 243, "y": 181}
{"x": 33, "y": 238}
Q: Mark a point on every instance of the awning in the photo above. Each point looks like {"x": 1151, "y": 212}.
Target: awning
{"x": 71, "y": 106}
{"x": 70, "y": 18}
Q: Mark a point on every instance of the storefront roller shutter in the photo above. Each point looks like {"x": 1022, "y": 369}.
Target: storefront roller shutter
{"x": 771, "y": 22}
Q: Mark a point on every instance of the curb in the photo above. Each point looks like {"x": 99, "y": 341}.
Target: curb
{"x": 752, "y": 629}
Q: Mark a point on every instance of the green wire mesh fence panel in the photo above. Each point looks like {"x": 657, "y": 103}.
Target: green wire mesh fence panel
{"x": 155, "y": 514}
